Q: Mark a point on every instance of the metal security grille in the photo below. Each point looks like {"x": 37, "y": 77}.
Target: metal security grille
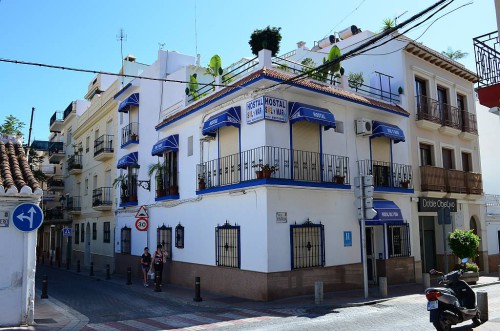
{"x": 164, "y": 238}
{"x": 227, "y": 245}
{"x": 307, "y": 243}
{"x": 399, "y": 240}
{"x": 126, "y": 233}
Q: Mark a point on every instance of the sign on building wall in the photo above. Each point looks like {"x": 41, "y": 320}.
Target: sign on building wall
{"x": 281, "y": 217}
{"x": 268, "y": 108}
{"x": 4, "y": 219}
{"x": 434, "y": 204}
{"x": 347, "y": 238}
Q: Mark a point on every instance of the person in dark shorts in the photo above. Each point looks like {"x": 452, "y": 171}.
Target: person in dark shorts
{"x": 158, "y": 263}
{"x": 145, "y": 264}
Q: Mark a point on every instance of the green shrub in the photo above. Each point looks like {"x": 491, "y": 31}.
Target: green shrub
{"x": 471, "y": 266}
{"x": 268, "y": 38}
{"x": 463, "y": 243}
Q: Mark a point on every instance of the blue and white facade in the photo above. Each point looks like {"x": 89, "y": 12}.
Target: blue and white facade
{"x": 255, "y": 194}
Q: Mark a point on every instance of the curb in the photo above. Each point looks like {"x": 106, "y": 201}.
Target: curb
{"x": 76, "y": 320}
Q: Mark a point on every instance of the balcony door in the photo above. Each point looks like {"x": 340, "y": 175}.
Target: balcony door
{"x": 466, "y": 162}
{"x": 448, "y": 158}
{"x": 442, "y": 96}
{"x": 306, "y": 151}
{"x": 426, "y": 155}
{"x": 381, "y": 161}
{"x": 229, "y": 158}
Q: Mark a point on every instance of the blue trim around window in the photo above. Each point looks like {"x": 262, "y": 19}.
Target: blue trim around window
{"x": 168, "y": 197}
{"x": 128, "y": 204}
{"x": 130, "y": 142}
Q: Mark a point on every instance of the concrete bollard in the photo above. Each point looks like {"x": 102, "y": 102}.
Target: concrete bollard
{"x": 91, "y": 269}
{"x": 318, "y": 293}
{"x": 427, "y": 280}
{"x": 382, "y": 286}
{"x": 197, "y": 290}
{"x": 129, "y": 276}
{"x": 482, "y": 304}
{"x": 108, "y": 276}
{"x": 44, "y": 287}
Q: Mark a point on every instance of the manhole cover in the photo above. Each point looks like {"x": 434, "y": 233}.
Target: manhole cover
{"x": 45, "y": 321}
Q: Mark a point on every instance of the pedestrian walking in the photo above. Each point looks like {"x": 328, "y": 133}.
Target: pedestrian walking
{"x": 158, "y": 263}
{"x": 145, "y": 264}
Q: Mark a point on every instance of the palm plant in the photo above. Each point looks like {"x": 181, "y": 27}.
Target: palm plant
{"x": 454, "y": 55}
{"x": 160, "y": 170}
{"x": 388, "y": 24}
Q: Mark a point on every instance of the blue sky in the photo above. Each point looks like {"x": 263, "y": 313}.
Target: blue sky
{"x": 83, "y": 34}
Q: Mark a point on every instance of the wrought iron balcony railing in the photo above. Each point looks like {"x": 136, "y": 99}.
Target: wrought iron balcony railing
{"x": 57, "y": 117}
{"x": 130, "y": 133}
{"x": 103, "y": 144}
{"x": 469, "y": 122}
{"x": 73, "y": 204}
{"x": 387, "y": 174}
{"x": 447, "y": 115}
{"x": 75, "y": 162}
{"x": 450, "y": 180}
{"x": 128, "y": 190}
{"x": 102, "y": 197}
{"x": 277, "y": 163}
{"x": 487, "y": 54}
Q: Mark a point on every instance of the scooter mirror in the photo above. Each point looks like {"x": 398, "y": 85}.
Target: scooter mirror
{"x": 464, "y": 260}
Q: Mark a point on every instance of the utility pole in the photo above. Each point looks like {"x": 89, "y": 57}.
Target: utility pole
{"x": 121, "y": 37}
{"x": 29, "y": 133}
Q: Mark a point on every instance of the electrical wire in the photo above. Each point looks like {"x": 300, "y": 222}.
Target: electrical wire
{"x": 362, "y": 2}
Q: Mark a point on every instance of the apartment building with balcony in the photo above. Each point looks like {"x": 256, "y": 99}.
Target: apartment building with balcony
{"x": 442, "y": 136}
{"x": 255, "y": 181}
{"x": 90, "y": 168}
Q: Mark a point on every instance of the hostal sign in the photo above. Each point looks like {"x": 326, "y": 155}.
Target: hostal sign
{"x": 434, "y": 204}
{"x": 266, "y": 108}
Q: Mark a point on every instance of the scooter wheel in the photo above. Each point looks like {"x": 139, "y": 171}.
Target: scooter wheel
{"x": 442, "y": 325}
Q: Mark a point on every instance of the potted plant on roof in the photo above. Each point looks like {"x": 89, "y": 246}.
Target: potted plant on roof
{"x": 355, "y": 80}
{"x": 464, "y": 245}
{"x": 267, "y": 38}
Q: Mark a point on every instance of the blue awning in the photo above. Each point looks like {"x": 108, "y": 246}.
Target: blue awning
{"x": 381, "y": 129}
{"x": 129, "y": 160}
{"x": 230, "y": 116}
{"x": 170, "y": 143}
{"x": 302, "y": 112}
{"x": 387, "y": 213}
{"x": 132, "y": 100}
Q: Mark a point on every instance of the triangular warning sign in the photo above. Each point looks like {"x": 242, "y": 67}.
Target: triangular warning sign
{"x": 142, "y": 212}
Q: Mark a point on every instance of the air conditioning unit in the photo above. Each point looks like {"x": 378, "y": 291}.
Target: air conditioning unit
{"x": 364, "y": 126}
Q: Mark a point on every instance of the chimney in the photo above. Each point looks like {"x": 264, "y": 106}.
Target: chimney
{"x": 130, "y": 58}
{"x": 301, "y": 44}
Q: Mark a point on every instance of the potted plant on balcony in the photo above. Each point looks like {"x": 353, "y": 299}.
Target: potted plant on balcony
{"x": 134, "y": 136}
{"x": 201, "y": 182}
{"x": 338, "y": 179}
{"x": 405, "y": 183}
{"x": 122, "y": 182}
{"x": 160, "y": 171}
{"x": 464, "y": 245}
{"x": 265, "y": 170}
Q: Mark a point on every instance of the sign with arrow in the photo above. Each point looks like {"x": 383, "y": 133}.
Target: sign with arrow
{"x": 27, "y": 217}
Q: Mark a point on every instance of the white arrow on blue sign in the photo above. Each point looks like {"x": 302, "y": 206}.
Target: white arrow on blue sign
{"x": 27, "y": 217}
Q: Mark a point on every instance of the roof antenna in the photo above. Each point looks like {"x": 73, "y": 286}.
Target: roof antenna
{"x": 121, "y": 37}
{"x": 161, "y": 45}
{"x": 396, "y": 18}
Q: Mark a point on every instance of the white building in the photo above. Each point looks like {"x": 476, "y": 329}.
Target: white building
{"x": 245, "y": 233}
{"x": 17, "y": 280}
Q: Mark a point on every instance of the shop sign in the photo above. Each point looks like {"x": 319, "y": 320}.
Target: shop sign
{"x": 268, "y": 108}
{"x": 434, "y": 204}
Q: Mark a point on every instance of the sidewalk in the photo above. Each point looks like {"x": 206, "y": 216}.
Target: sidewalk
{"x": 50, "y": 314}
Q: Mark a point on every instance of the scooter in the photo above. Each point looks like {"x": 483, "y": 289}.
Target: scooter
{"x": 452, "y": 304}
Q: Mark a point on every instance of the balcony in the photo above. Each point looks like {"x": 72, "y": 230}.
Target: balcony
{"x": 56, "y": 152}
{"x": 69, "y": 112}
{"x": 166, "y": 188}
{"x": 48, "y": 170}
{"x": 450, "y": 181}
{"x": 56, "y": 122}
{"x": 387, "y": 175}
{"x": 101, "y": 198}
{"x": 75, "y": 164}
{"x": 130, "y": 134}
{"x": 55, "y": 183}
{"x": 128, "y": 191}
{"x": 103, "y": 147}
{"x": 487, "y": 51}
{"x": 73, "y": 205}
{"x": 286, "y": 167}
{"x": 450, "y": 120}
{"x": 54, "y": 214}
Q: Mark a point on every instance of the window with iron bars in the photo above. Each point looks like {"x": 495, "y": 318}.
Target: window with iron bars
{"x": 94, "y": 231}
{"x": 307, "y": 242}
{"x": 82, "y": 232}
{"x": 126, "y": 240}
{"x": 77, "y": 233}
{"x": 227, "y": 246}
{"x": 399, "y": 240}
{"x": 164, "y": 238}
{"x": 106, "y": 232}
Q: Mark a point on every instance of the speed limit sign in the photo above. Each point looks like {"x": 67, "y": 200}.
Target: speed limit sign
{"x": 141, "y": 224}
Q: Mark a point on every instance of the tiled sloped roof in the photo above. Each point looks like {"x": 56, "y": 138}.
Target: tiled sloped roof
{"x": 284, "y": 76}
{"x": 15, "y": 173}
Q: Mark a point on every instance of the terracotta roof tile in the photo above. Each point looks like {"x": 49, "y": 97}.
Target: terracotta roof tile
{"x": 283, "y": 76}
{"x": 15, "y": 173}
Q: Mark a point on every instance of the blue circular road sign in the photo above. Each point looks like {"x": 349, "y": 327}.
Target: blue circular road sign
{"x": 27, "y": 217}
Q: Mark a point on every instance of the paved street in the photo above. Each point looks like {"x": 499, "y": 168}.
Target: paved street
{"x": 112, "y": 305}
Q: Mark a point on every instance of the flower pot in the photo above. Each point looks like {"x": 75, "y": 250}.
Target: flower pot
{"x": 173, "y": 190}
{"x": 133, "y": 198}
{"x": 259, "y": 174}
{"x": 201, "y": 185}
{"x": 266, "y": 173}
{"x": 161, "y": 192}
{"x": 339, "y": 179}
{"x": 405, "y": 184}
{"x": 470, "y": 277}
